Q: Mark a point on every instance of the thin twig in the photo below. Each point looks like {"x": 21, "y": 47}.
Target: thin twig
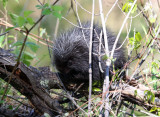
{"x": 140, "y": 110}
{"x": 18, "y": 59}
{"x": 125, "y": 14}
{"x": 84, "y": 8}
{"x": 144, "y": 58}
{"x": 127, "y": 36}
{"x": 80, "y": 24}
{"x": 18, "y": 29}
{"x": 108, "y": 62}
{"x": 74, "y": 24}
{"x": 129, "y": 51}
{"x": 111, "y": 9}
{"x": 15, "y": 67}
{"x": 99, "y": 50}
{"x": 19, "y": 101}
{"x": 40, "y": 15}
{"x": 56, "y": 28}
{"x": 40, "y": 2}
{"x": 120, "y": 31}
{"x": 4, "y": 33}
{"x": 90, "y": 60}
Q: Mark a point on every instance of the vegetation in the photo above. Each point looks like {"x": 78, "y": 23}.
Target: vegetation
{"x": 27, "y": 80}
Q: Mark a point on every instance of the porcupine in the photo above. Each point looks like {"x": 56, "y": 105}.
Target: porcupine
{"x": 71, "y": 53}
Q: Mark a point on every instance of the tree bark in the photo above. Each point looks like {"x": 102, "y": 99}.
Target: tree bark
{"x": 27, "y": 81}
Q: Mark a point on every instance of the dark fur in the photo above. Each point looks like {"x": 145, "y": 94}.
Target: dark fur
{"x": 71, "y": 53}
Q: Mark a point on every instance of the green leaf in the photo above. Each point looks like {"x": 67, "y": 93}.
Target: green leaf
{"x": 105, "y": 57}
{"x": 58, "y": 15}
{"x": 18, "y": 43}
{"x": 13, "y": 18}
{"x": 10, "y": 107}
{"x": 34, "y": 47}
{"x": 27, "y": 56}
{"x": 124, "y": 7}
{"x": 42, "y": 7}
{"x": 39, "y": 6}
{"x": 57, "y": 8}
{"x": 152, "y": 97}
{"x": 10, "y": 28}
{"x": 21, "y": 21}
{"x": 46, "y": 5}
{"x": 10, "y": 41}
{"x": 4, "y": 2}
{"x": 27, "y": 13}
{"x": 96, "y": 89}
{"x": 127, "y": 6}
{"x": 2, "y": 38}
{"x": 154, "y": 77}
{"x": 153, "y": 109}
{"x": 30, "y": 20}
{"x": 2, "y": 101}
{"x": 152, "y": 19}
{"x": 135, "y": 93}
{"x": 134, "y": 8}
{"x": 46, "y": 11}
{"x": 138, "y": 36}
{"x": 135, "y": 42}
{"x": 155, "y": 65}
{"x": 26, "y": 62}
{"x": 16, "y": 51}
{"x": 96, "y": 83}
{"x": 155, "y": 86}
{"x": 131, "y": 40}
{"x": 149, "y": 96}
{"x": 1, "y": 92}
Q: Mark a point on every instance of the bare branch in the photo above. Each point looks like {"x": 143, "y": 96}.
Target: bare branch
{"x": 90, "y": 60}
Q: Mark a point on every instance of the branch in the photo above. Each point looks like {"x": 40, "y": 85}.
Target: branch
{"x": 90, "y": 59}
{"x": 128, "y": 93}
{"x": 27, "y": 81}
